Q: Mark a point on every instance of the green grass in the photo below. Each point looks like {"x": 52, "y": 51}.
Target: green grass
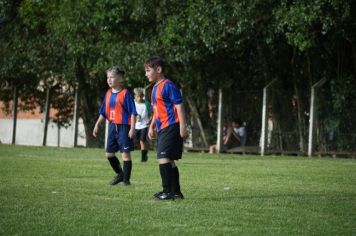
{"x": 64, "y": 191}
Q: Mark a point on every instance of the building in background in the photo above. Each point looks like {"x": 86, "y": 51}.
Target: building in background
{"x": 30, "y": 127}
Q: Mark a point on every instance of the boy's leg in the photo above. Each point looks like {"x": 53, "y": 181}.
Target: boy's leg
{"x": 165, "y": 168}
{"x": 115, "y": 165}
{"x": 111, "y": 148}
{"x": 143, "y": 138}
{"x": 143, "y": 151}
{"x": 175, "y": 189}
{"x": 126, "y": 146}
{"x": 169, "y": 148}
{"x": 126, "y": 156}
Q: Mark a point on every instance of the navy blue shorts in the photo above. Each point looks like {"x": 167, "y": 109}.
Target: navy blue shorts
{"x": 118, "y": 139}
{"x": 169, "y": 143}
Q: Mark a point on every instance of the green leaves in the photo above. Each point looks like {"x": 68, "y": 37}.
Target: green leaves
{"x": 209, "y": 44}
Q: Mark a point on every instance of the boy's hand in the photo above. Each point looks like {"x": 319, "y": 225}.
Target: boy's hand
{"x": 183, "y": 132}
{"x": 151, "y": 133}
{"x": 95, "y": 131}
{"x": 132, "y": 133}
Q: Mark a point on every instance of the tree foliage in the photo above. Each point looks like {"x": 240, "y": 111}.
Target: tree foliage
{"x": 234, "y": 45}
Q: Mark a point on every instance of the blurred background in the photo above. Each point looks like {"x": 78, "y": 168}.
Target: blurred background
{"x": 54, "y": 55}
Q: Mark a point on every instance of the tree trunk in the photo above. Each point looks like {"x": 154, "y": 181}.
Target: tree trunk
{"x": 299, "y": 106}
{"x": 46, "y": 116}
{"x": 88, "y": 108}
{"x": 14, "y": 114}
{"x": 75, "y": 117}
{"x": 195, "y": 114}
{"x": 90, "y": 115}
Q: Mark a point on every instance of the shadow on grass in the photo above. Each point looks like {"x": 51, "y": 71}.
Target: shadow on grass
{"x": 275, "y": 196}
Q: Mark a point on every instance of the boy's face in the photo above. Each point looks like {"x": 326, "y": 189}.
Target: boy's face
{"x": 235, "y": 125}
{"x": 153, "y": 74}
{"x": 138, "y": 97}
{"x": 113, "y": 79}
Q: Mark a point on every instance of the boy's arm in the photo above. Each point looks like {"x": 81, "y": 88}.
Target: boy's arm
{"x": 181, "y": 117}
{"x": 132, "y": 129}
{"x": 237, "y": 136}
{"x": 152, "y": 127}
{"x": 97, "y": 124}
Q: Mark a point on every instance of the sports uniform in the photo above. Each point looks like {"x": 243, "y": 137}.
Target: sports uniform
{"x": 169, "y": 143}
{"x": 165, "y": 95}
{"x": 117, "y": 108}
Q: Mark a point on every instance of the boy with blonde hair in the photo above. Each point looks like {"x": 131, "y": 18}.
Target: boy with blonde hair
{"x": 119, "y": 109}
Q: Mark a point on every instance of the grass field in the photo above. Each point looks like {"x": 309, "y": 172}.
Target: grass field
{"x": 63, "y": 191}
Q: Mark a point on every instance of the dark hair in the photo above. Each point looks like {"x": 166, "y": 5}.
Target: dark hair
{"x": 155, "y": 61}
{"x": 116, "y": 69}
{"x": 237, "y": 121}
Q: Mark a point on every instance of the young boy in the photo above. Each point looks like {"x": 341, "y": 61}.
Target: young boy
{"x": 119, "y": 108}
{"x": 144, "y": 113}
{"x": 169, "y": 122}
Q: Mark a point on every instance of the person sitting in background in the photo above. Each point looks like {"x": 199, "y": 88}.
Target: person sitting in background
{"x": 213, "y": 148}
{"x": 239, "y": 132}
{"x": 233, "y": 136}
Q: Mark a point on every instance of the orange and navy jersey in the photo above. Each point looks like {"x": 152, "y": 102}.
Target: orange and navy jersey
{"x": 118, "y": 107}
{"x": 164, "y": 96}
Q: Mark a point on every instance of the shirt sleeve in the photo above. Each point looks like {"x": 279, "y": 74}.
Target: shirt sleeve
{"x": 102, "y": 108}
{"x": 173, "y": 93}
{"x": 129, "y": 104}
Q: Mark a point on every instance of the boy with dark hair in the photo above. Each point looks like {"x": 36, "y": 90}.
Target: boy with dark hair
{"x": 169, "y": 122}
{"x": 119, "y": 108}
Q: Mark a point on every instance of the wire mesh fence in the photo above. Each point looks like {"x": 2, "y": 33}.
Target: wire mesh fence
{"x": 279, "y": 120}
{"x": 335, "y": 122}
{"x": 281, "y": 123}
{"x": 287, "y": 120}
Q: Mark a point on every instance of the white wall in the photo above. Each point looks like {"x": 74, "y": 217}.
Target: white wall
{"x": 30, "y": 132}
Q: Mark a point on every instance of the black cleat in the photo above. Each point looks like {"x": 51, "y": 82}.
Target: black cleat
{"x": 127, "y": 183}
{"x": 178, "y": 196}
{"x": 165, "y": 196}
{"x": 157, "y": 194}
{"x": 116, "y": 180}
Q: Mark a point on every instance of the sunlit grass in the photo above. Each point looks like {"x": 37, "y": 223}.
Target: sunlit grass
{"x": 64, "y": 191}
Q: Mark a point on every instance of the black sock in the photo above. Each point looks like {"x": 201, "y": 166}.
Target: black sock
{"x": 115, "y": 164}
{"x": 175, "y": 180}
{"x": 143, "y": 155}
{"x": 166, "y": 176}
{"x": 127, "y": 170}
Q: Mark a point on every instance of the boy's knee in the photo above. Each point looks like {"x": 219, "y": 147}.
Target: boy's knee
{"x": 109, "y": 154}
{"x": 126, "y": 156}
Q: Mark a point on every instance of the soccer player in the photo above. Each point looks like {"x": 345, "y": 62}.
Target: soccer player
{"x": 144, "y": 115}
{"x": 169, "y": 122}
{"x": 119, "y": 108}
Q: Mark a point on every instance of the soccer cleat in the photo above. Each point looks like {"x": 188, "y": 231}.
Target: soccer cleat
{"x": 157, "y": 194}
{"x": 116, "y": 180}
{"x": 165, "y": 196}
{"x": 127, "y": 183}
{"x": 178, "y": 196}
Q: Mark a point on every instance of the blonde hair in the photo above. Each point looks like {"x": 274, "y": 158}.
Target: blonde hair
{"x": 138, "y": 91}
{"x": 117, "y": 70}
